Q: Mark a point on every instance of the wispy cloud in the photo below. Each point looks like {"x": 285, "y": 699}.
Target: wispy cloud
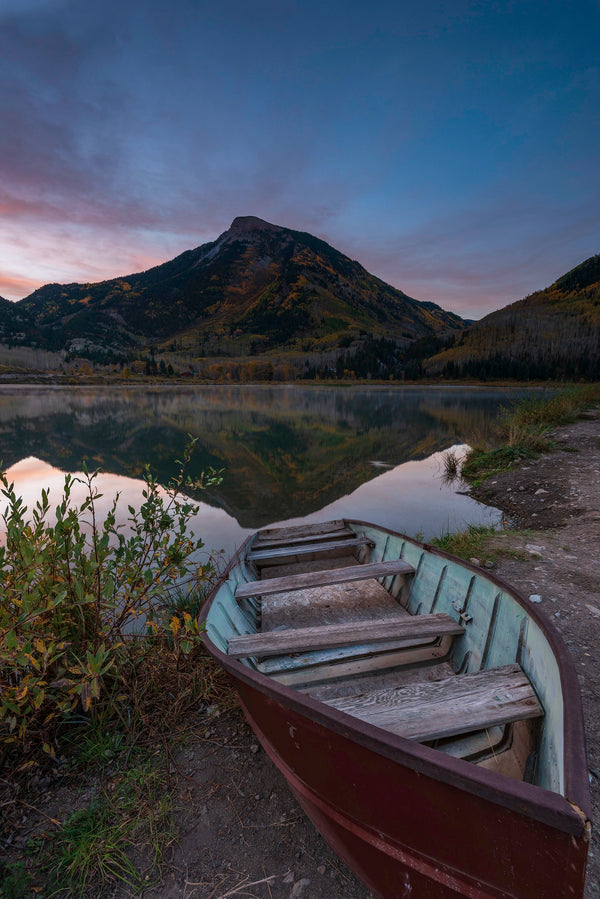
{"x": 451, "y": 150}
{"x": 15, "y": 286}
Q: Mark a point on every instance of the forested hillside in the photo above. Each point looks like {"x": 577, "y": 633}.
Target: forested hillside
{"x": 554, "y": 333}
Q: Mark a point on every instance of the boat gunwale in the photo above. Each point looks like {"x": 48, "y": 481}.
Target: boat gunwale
{"x": 569, "y": 813}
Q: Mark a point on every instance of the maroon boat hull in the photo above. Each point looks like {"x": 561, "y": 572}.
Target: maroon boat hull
{"x": 414, "y": 822}
{"x": 403, "y": 831}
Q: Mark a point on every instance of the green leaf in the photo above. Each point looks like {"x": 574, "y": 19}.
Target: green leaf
{"x": 10, "y": 640}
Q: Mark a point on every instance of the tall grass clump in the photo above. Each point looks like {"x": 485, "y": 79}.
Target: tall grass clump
{"x": 526, "y": 431}
{"x": 94, "y": 625}
{"x": 466, "y": 543}
{"x": 451, "y": 466}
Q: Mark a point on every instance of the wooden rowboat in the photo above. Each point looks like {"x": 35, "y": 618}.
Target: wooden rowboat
{"x": 426, "y": 715}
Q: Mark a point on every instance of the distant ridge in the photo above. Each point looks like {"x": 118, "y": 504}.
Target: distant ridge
{"x": 553, "y": 333}
{"x": 263, "y": 301}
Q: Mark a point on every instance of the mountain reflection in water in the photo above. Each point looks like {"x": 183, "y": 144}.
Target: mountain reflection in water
{"x": 287, "y": 452}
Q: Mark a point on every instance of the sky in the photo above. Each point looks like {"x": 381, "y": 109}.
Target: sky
{"x": 450, "y": 146}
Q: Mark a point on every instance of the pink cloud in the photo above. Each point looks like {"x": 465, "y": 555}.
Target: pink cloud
{"x": 14, "y": 287}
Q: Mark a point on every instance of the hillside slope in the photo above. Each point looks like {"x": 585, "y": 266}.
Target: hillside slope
{"x": 552, "y": 333}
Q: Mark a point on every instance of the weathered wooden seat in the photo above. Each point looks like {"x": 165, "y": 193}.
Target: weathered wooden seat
{"x": 288, "y": 536}
{"x": 279, "y": 552}
{"x": 456, "y": 705}
{"x": 322, "y": 578}
{"x": 330, "y": 636}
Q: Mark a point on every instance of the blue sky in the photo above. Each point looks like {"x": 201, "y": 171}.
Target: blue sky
{"x": 451, "y": 146}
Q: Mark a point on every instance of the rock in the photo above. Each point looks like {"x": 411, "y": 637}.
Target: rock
{"x": 475, "y": 561}
{"x": 299, "y": 887}
{"x": 534, "y": 550}
{"x": 535, "y": 597}
{"x": 541, "y": 490}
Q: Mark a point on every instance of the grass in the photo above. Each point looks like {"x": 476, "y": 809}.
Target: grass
{"x": 526, "y": 431}
{"x": 451, "y": 465}
{"x": 95, "y": 742}
{"x": 465, "y": 544}
{"x": 92, "y": 848}
{"x": 483, "y": 463}
{"x": 476, "y": 541}
{"x": 15, "y": 881}
{"x": 123, "y": 833}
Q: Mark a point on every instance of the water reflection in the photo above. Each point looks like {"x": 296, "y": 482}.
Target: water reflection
{"x": 410, "y": 498}
{"x": 288, "y": 452}
{"x": 219, "y": 531}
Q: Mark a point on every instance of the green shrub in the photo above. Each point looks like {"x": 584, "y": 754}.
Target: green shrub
{"x": 85, "y": 606}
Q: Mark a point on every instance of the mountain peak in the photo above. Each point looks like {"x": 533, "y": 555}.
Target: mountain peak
{"x": 257, "y": 287}
{"x": 245, "y": 224}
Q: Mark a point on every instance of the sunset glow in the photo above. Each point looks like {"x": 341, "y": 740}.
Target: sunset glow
{"x": 450, "y": 147}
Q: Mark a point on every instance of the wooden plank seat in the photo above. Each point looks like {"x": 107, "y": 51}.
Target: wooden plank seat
{"x": 264, "y": 555}
{"x": 330, "y": 636}
{"x": 322, "y": 578}
{"x": 455, "y": 705}
{"x": 329, "y": 530}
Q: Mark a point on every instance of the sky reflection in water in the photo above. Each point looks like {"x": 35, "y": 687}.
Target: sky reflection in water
{"x": 410, "y": 498}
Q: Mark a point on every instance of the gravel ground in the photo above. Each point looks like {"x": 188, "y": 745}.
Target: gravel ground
{"x": 558, "y": 498}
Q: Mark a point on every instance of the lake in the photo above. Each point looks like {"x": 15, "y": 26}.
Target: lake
{"x": 289, "y": 453}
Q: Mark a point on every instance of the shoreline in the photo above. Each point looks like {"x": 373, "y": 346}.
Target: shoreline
{"x": 554, "y": 500}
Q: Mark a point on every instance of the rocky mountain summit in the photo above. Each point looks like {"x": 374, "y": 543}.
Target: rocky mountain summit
{"x": 265, "y": 295}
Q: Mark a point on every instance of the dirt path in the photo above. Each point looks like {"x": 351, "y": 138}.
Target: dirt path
{"x": 558, "y": 497}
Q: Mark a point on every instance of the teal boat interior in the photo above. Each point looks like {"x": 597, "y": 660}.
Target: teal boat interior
{"x": 400, "y": 636}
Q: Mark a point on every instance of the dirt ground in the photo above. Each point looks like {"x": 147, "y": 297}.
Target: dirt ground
{"x": 240, "y": 832}
{"x": 558, "y": 497}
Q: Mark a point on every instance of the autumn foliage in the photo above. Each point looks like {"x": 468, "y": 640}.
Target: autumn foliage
{"x": 86, "y": 606}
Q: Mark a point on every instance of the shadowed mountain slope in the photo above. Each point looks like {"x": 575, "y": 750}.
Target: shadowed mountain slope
{"x": 552, "y": 333}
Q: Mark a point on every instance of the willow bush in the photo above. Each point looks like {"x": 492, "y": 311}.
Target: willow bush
{"x": 86, "y": 605}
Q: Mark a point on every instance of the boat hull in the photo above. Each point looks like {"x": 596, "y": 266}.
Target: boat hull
{"x": 405, "y": 832}
{"x": 409, "y": 820}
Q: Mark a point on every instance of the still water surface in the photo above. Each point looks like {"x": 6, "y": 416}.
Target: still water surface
{"x": 288, "y": 453}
